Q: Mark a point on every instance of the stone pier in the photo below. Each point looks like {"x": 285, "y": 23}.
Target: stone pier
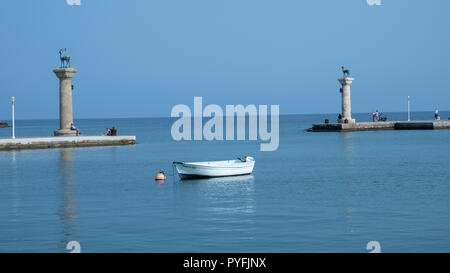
{"x": 64, "y": 142}
{"x": 347, "y": 124}
{"x": 65, "y": 76}
{"x": 346, "y": 100}
{"x": 377, "y": 126}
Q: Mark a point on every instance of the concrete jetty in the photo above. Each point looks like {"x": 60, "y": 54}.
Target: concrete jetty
{"x": 65, "y": 136}
{"x": 376, "y": 126}
{"x": 63, "y": 142}
{"x": 347, "y": 123}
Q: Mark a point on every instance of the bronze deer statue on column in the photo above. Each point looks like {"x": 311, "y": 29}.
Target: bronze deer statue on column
{"x": 346, "y": 72}
{"x": 65, "y": 60}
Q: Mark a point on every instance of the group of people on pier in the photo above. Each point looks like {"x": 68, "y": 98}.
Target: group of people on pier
{"x": 376, "y": 116}
{"x": 109, "y": 131}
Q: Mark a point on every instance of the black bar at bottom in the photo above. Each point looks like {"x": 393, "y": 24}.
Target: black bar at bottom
{"x": 221, "y": 262}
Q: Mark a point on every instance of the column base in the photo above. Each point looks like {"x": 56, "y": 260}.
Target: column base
{"x": 349, "y": 120}
{"x": 65, "y": 132}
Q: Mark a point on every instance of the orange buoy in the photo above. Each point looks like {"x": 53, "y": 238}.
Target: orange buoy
{"x": 160, "y": 176}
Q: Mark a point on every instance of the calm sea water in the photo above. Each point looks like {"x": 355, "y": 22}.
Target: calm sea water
{"x": 319, "y": 192}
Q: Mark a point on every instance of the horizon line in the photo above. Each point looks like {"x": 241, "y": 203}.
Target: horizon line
{"x": 156, "y": 117}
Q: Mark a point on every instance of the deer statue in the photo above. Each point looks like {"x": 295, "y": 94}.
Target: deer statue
{"x": 346, "y": 72}
{"x": 65, "y": 60}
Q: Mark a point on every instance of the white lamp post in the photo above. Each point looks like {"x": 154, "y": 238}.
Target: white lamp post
{"x": 409, "y": 109}
{"x": 13, "y": 99}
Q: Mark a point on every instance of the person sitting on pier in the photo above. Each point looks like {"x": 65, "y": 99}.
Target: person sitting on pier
{"x": 73, "y": 128}
{"x": 339, "y": 117}
{"x": 108, "y": 132}
{"x": 113, "y": 131}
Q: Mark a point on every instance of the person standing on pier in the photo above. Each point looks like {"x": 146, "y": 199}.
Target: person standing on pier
{"x": 113, "y": 131}
{"x": 436, "y": 114}
{"x": 375, "y": 116}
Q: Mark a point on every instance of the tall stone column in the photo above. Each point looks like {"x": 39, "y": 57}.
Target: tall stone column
{"x": 346, "y": 101}
{"x": 65, "y": 76}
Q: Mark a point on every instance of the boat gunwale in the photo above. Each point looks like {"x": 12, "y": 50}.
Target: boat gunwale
{"x": 231, "y": 163}
{"x": 202, "y": 166}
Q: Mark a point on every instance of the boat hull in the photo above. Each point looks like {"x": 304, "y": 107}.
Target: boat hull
{"x": 193, "y": 176}
{"x": 199, "y": 170}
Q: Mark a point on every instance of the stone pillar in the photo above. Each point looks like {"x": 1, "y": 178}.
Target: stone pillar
{"x": 65, "y": 76}
{"x": 346, "y": 101}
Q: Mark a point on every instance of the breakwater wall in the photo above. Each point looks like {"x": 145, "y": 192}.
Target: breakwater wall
{"x": 377, "y": 126}
{"x": 63, "y": 142}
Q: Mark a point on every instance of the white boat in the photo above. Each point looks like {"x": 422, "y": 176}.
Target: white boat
{"x": 240, "y": 166}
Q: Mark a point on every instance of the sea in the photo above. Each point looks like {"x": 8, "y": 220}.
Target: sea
{"x": 318, "y": 192}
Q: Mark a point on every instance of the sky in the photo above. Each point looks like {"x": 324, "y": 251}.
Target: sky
{"x": 139, "y": 58}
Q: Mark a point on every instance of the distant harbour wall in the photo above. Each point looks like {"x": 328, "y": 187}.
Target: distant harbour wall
{"x": 64, "y": 142}
{"x": 377, "y": 126}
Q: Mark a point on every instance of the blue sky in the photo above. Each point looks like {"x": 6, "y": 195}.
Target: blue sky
{"x": 139, "y": 58}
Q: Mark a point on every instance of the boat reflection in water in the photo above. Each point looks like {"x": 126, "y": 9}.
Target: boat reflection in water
{"x": 222, "y": 203}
